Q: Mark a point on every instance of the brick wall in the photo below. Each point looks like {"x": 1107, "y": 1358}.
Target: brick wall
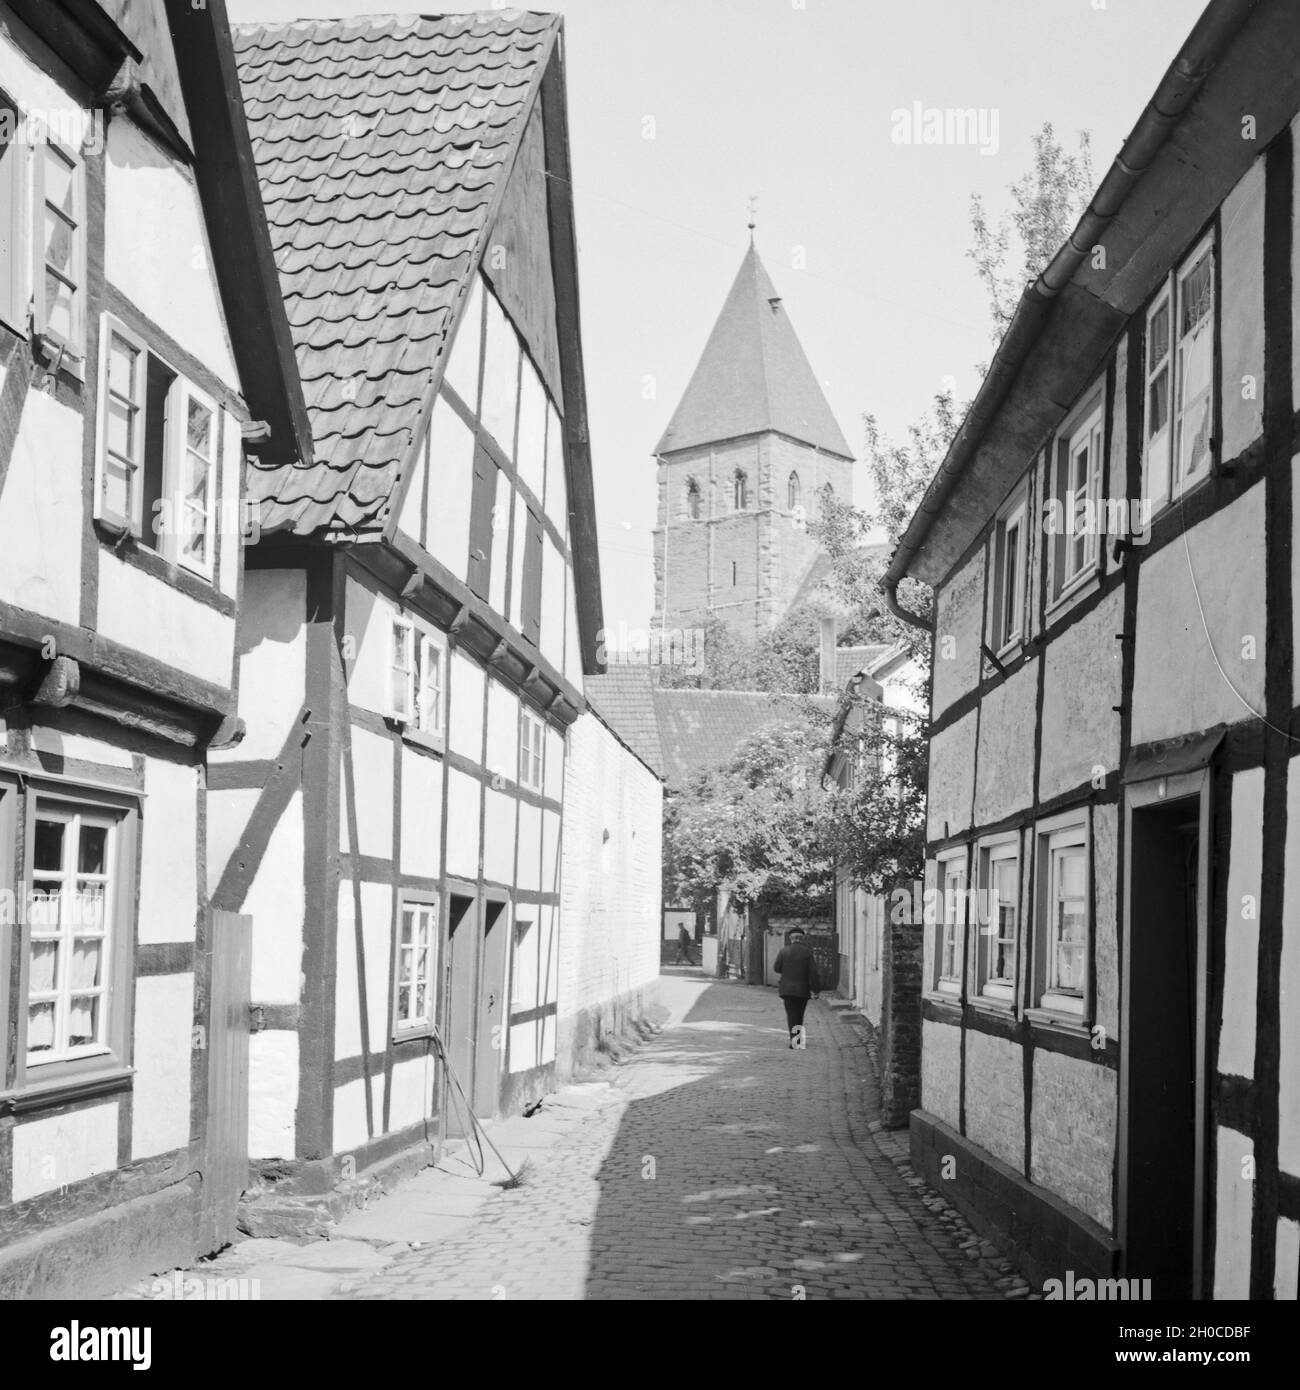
{"x": 1073, "y": 1143}
{"x": 610, "y": 922}
{"x": 900, "y": 1021}
{"x": 743, "y": 566}
{"x": 995, "y": 1074}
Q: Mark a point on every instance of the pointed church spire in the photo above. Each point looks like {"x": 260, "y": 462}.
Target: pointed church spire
{"x": 753, "y": 375}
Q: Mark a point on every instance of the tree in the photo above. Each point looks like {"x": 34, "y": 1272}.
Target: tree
{"x": 1047, "y": 202}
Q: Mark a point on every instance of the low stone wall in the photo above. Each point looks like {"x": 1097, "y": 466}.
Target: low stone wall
{"x": 587, "y": 1037}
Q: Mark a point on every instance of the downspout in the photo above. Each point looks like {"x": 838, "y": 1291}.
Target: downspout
{"x": 1205, "y": 45}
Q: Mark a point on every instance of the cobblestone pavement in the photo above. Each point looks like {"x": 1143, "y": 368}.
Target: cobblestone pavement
{"x": 719, "y": 1164}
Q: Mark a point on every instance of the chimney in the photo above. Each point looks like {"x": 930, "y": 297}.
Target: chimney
{"x": 828, "y": 657}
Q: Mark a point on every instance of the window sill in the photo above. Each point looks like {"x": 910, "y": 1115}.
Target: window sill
{"x": 52, "y": 353}
{"x": 1084, "y": 584}
{"x": 1057, "y": 1021}
{"x": 435, "y": 743}
{"x": 65, "y": 1091}
{"x": 991, "y": 1004}
{"x": 943, "y": 997}
{"x": 422, "y": 1033}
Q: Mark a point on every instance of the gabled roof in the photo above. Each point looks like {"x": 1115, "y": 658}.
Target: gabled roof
{"x": 623, "y": 698}
{"x": 753, "y": 376}
{"x": 699, "y": 729}
{"x": 382, "y": 146}
{"x": 850, "y": 660}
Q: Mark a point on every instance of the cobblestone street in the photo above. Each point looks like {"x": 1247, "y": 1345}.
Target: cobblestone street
{"x": 718, "y": 1164}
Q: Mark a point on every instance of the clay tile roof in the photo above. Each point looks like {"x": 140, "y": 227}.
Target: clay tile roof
{"x": 753, "y": 376}
{"x": 623, "y": 699}
{"x": 699, "y": 729}
{"x": 381, "y": 144}
{"x": 850, "y": 660}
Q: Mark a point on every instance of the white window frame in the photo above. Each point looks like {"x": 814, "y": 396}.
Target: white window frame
{"x": 1086, "y": 426}
{"x": 999, "y": 989}
{"x": 132, "y": 520}
{"x": 417, "y": 677}
{"x": 1008, "y": 631}
{"x": 1163, "y": 478}
{"x": 532, "y": 746}
{"x": 74, "y": 344}
{"x": 16, "y": 235}
{"x": 950, "y": 926}
{"x": 176, "y": 453}
{"x": 64, "y": 934}
{"x": 1068, "y": 834}
{"x": 430, "y": 685}
{"x": 424, "y": 917}
{"x": 401, "y": 668}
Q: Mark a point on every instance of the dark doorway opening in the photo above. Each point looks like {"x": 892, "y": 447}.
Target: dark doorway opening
{"x": 1163, "y": 1041}
{"x": 491, "y": 1010}
{"x": 458, "y": 1007}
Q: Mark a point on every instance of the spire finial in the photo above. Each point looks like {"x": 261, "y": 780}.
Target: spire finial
{"x": 753, "y": 216}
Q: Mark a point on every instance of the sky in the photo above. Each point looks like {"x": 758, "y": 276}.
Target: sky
{"x": 680, "y": 111}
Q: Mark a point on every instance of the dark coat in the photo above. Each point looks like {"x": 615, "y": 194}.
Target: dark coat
{"x": 797, "y": 967}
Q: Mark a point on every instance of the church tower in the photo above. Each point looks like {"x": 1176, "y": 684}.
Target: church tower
{"x": 744, "y": 465}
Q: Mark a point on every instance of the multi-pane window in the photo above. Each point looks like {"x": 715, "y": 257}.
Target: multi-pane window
{"x": 999, "y": 927}
{"x": 951, "y": 911}
{"x": 1076, "y": 494}
{"x": 417, "y": 949}
{"x": 416, "y": 677}
{"x": 1179, "y": 379}
{"x": 532, "y": 735}
{"x": 70, "y": 935}
{"x": 157, "y": 469}
{"x": 740, "y": 490}
{"x": 1063, "y": 933}
{"x": 59, "y": 296}
{"x": 1009, "y": 568}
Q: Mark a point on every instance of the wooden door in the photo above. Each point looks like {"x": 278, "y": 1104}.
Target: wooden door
{"x": 491, "y": 1009}
{"x": 458, "y": 1007}
{"x": 225, "y": 1159}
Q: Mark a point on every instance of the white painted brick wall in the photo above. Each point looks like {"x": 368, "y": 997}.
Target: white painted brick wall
{"x": 995, "y": 1097}
{"x": 610, "y": 887}
{"x": 1074, "y": 1132}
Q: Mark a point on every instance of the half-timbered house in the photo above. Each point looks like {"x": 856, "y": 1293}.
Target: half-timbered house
{"x": 418, "y": 615}
{"x": 141, "y": 338}
{"x": 1111, "y": 1055}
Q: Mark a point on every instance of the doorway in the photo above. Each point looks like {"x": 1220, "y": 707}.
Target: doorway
{"x": 458, "y": 1005}
{"x": 491, "y": 1010}
{"x": 1163, "y": 1125}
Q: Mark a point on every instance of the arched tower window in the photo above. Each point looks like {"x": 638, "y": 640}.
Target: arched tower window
{"x": 692, "y": 499}
{"x": 793, "y": 492}
{"x": 828, "y": 496}
{"x": 740, "y": 490}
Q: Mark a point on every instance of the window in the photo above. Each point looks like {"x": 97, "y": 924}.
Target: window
{"x": 1063, "y": 919}
{"x": 999, "y": 924}
{"x": 1009, "y": 568}
{"x": 740, "y": 491}
{"x": 951, "y": 913}
{"x": 692, "y": 499}
{"x": 793, "y": 492}
{"x": 59, "y": 292}
{"x": 827, "y": 499}
{"x": 416, "y": 678}
{"x": 734, "y": 573}
{"x": 1179, "y": 379}
{"x": 532, "y": 735}
{"x": 157, "y": 462}
{"x": 415, "y": 974}
{"x": 13, "y": 202}
{"x": 1076, "y": 495}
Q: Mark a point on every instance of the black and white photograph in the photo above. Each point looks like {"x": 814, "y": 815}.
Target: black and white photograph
{"x": 648, "y": 653}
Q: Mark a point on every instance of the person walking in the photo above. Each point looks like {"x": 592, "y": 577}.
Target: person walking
{"x": 684, "y": 940}
{"x": 797, "y": 967}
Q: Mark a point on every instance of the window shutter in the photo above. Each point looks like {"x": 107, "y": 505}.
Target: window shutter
{"x": 533, "y": 580}
{"x": 400, "y": 675}
{"x": 13, "y": 307}
{"x": 430, "y": 713}
{"x": 480, "y": 522}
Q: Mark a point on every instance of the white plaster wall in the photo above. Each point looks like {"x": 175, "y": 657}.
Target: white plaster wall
{"x": 451, "y": 481}
{"x": 995, "y": 1098}
{"x": 609, "y": 921}
{"x": 1241, "y": 261}
{"x": 959, "y": 631}
{"x": 90, "y": 750}
{"x": 499, "y": 837}
{"x": 1005, "y": 777}
{"x": 529, "y": 870}
{"x": 1073, "y": 1132}
{"x": 367, "y": 778}
{"x": 553, "y": 771}
{"x": 41, "y": 513}
{"x": 1177, "y": 687}
{"x": 375, "y": 937}
{"x": 1287, "y": 1261}
{"x": 552, "y": 617}
{"x": 410, "y": 1095}
{"x": 272, "y": 661}
{"x": 952, "y": 771}
{"x": 368, "y": 623}
{"x": 1288, "y": 1139}
{"x": 146, "y": 613}
{"x": 941, "y": 1071}
{"x": 411, "y": 518}
{"x": 227, "y": 819}
{"x": 1105, "y": 853}
{"x": 572, "y": 644}
{"x": 465, "y": 720}
{"x": 463, "y": 794}
{"x": 275, "y": 902}
{"x": 31, "y": 88}
{"x": 272, "y": 1092}
{"x": 503, "y": 731}
{"x": 169, "y": 886}
{"x": 55, "y": 1150}
{"x": 160, "y": 1105}
{"x": 156, "y": 247}
{"x": 350, "y": 1127}
{"x": 550, "y": 852}
{"x": 1233, "y": 1206}
{"x": 421, "y": 814}
{"x": 1241, "y": 942}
